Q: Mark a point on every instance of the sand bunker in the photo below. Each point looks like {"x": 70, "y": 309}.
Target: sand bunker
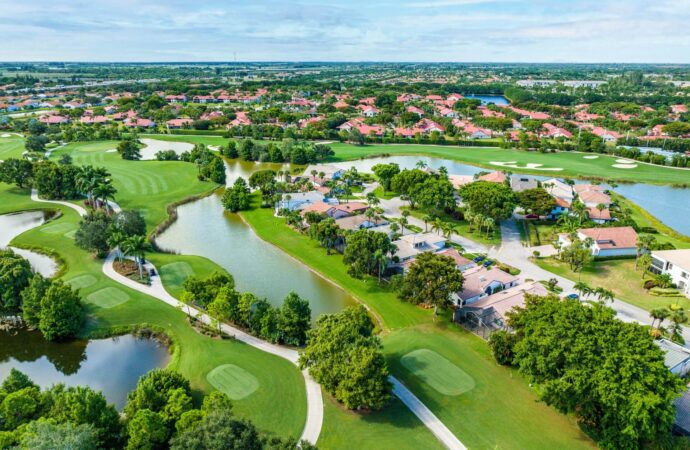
{"x": 591, "y": 156}
{"x": 6, "y": 135}
{"x": 215, "y": 148}
{"x": 154, "y": 146}
{"x": 112, "y": 150}
{"x": 624, "y": 166}
{"x": 625, "y": 161}
{"x": 532, "y": 166}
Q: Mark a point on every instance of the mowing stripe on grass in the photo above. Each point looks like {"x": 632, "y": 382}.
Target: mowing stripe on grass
{"x": 109, "y": 297}
{"x": 58, "y": 228}
{"x": 174, "y": 274}
{"x": 437, "y": 372}
{"x": 82, "y": 281}
{"x": 233, "y": 381}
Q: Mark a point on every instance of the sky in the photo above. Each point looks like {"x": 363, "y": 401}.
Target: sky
{"x": 655, "y": 31}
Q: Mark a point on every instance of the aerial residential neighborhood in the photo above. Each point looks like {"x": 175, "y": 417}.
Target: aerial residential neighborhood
{"x": 364, "y": 225}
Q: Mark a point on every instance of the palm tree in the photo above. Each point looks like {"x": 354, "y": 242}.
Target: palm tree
{"x": 644, "y": 245}
{"x": 489, "y": 224}
{"x": 103, "y": 192}
{"x": 115, "y": 240}
{"x": 663, "y": 280}
{"x": 420, "y": 165}
{"x": 678, "y": 318}
{"x": 137, "y": 246}
{"x": 381, "y": 261}
{"x": 437, "y": 225}
{"x": 427, "y": 218}
{"x": 645, "y": 261}
{"x": 448, "y": 230}
{"x": 659, "y": 314}
{"x": 603, "y": 295}
{"x": 314, "y": 172}
{"x": 288, "y": 197}
{"x": 403, "y": 223}
{"x": 582, "y": 288}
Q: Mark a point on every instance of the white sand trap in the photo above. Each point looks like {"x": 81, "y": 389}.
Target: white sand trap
{"x": 591, "y": 156}
{"x": 112, "y": 150}
{"x": 533, "y": 166}
{"x": 215, "y": 148}
{"x": 6, "y": 135}
{"x": 154, "y": 146}
{"x": 625, "y": 161}
{"x": 624, "y": 166}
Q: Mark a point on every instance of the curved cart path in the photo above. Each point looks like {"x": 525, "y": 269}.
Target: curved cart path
{"x": 312, "y": 427}
{"x": 79, "y": 209}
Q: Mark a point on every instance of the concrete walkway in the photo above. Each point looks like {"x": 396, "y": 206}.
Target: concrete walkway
{"x": 79, "y": 209}
{"x": 427, "y": 417}
{"x": 312, "y": 428}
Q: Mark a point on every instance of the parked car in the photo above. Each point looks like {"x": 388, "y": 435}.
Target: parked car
{"x": 479, "y": 259}
{"x": 573, "y": 297}
{"x": 487, "y": 263}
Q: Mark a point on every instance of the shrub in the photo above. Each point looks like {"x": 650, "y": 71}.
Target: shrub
{"x": 649, "y": 284}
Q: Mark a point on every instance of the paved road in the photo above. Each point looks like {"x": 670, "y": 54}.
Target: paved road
{"x": 513, "y": 252}
{"x": 427, "y": 417}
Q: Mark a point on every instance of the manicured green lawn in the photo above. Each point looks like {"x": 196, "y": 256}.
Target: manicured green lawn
{"x": 192, "y": 139}
{"x": 233, "y": 380}
{"x": 618, "y": 276}
{"x": 387, "y": 195}
{"x": 495, "y": 408}
{"x": 174, "y": 269}
{"x": 395, "y": 427}
{"x": 147, "y": 186}
{"x": 500, "y": 411}
{"x": 11, "y": 147}
{"x": 573, "y": 164}
{"x": 278, "y": 406}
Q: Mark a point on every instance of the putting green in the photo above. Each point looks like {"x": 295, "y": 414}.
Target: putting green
{"x": 58, "y": 228}
{"x": 82, "y": 281}
{"x": 233, "y": 381}
{"x": 174, "y": 274}
{"x": 436, "y": 371}
{"x": 107, "y": 297}
{"x": 70, "y": 234}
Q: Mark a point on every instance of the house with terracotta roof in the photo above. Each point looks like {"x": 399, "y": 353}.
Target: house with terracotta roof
{"x": 607, "y": 241}
{"x": 552, "y": 131}
{"x": 447, "y": 112}
{"x": 494, "y": 177}
{"x": 600, "y": 216}
{"x": 90, "y": 120}
{"x": 363, "y": 128}
{"x": 341, "y": 104}
{"x": 491, "y": 311}
{"x": 606, "y": 135}
{"x": 53, "y": 119}
{"x": 241, "y": 119}
{"x": 481, "y": 282}
{"x": 368, "y": 110}
{"x": 139, "y": 123}
{"x": 679, "y": 109}
{"x": 415, "y": 110}
{"x": 472, "y": 130}
{"x": 179, "y": 123}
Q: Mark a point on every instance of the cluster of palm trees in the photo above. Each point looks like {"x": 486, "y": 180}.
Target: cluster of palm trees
{"x": 135, "y": 246}
{"x": 675, "y": 315}
{"x": 480, "y": 222}
{"x": 601, "y": 294}
{"x": 95, "y": 182}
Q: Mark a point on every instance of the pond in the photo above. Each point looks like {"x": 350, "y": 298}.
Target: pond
{"x": 486, "y": 99}
{"x": 203, "y": 228}
{"x": 12, "y": 225}
{"x": 112, "y": 365}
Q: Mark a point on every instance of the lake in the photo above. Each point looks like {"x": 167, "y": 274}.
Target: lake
{"x": 112, "y": 365}
{"x": 486, "y": 99}
{"x": 203, "y": 228}
{"x": 12, "y": 225}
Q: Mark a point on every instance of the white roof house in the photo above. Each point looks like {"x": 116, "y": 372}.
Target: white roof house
{"x": 559, "y": 189}
{"x": 299, "y": 200}
{"x": 675, "y": 263}
{"x": 676, "y": 357}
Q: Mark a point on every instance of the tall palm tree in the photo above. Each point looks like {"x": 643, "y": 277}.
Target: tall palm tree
{"x": 659, "y": 314}
{"x": 489, "y": 223}
{"x": 427, "y": 218}
{"x": 603, "y": 295}
{"x": 403, "y": 223}
{"x": 103, "y": 192}
{"x": 437, "y": 225}
{"x": 448, "y": 230}
{"x": 137, "y": 246}
{"x": 583, "y": 289}
{"x": 645, "y": 261}
{"x": 314, "y": 172}
{"x": 381, "y": 261}
{"x": 115, "y": 240}
{"x": 678, "y": 318}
